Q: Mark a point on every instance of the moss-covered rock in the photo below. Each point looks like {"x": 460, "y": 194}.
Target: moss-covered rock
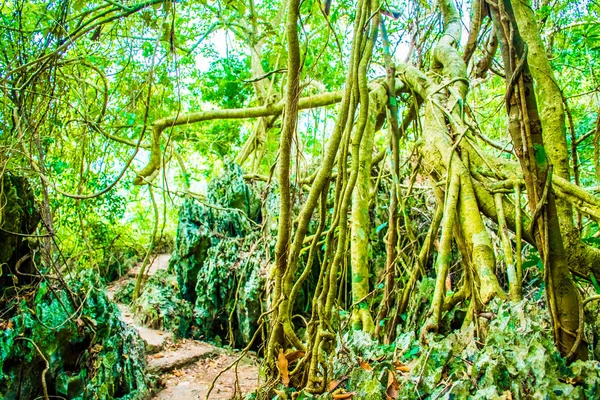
{"x": 229, "y": 289}
{"x": 91, "y": 353}
{"x": 230, "y": 211}
{"x": 194, "y": 238}
{"x": 230, "y": 190}
{"x": 160, "y": 305}
{"x": 517, "y": 359}
{"x": 219, "y": 256}
{"x": 365, "y": 384}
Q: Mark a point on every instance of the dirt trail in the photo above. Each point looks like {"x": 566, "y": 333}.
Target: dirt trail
{"x": 193, "y": 381}
{"x": 186, "y": 368}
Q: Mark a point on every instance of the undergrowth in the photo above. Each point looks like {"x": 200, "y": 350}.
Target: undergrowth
{"x": 515, "y": 359}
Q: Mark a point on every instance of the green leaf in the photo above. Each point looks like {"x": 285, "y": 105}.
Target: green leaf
{"x": 147, "y": 49}
{"x": 380, "y": 227}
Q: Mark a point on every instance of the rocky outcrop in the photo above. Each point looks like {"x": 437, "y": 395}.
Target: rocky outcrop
{"x": 218, "y": 258}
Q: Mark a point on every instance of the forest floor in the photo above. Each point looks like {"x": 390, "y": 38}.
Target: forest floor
{"x": 186, "y": 368}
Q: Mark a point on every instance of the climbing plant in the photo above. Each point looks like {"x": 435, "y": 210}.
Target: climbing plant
{"x": 395, "y": 192}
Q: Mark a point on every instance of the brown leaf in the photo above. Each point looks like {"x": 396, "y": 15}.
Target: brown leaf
{"x": 282, "y": 364}
{"x": 294, "y": 355}
{"x": 366, "y": 366}
{"x": 392, "y": 386}
{"x": 401, "y": 367}
{"x": 333, "y": 385}
{"x": 178, "y": 373}
{"x": 344, "y": 395}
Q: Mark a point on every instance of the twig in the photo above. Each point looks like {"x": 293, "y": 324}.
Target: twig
{"x": 234, "y": 363}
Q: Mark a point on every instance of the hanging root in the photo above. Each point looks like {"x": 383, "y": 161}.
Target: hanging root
{"x": 421, "y": 260}
{"x": 444, "y": 256}
{"x": 514, "y": 285}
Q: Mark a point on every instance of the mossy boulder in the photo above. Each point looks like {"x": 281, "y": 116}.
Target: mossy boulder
{"x": 160, "y": 305}
{"x": 219, "y": 256}
{"x": 90, "y": 352}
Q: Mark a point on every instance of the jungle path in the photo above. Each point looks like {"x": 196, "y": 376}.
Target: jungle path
{"x": 186, "y": 368}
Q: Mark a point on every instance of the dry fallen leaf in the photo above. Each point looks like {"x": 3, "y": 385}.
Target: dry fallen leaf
{"x": 178, "y": 373}
{"x": 294, "y": 355}
{"x": 282, "y": 363}
{"x": 401, "y": 367}
{"x": 392, "y": 386}
{"x": 333, "y": 385}
{"x": 158, "y": 356}
{"x": 366, "y": 366}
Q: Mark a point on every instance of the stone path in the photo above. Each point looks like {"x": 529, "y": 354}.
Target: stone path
{"x": 187, "y": 367}
{"x": 194, "y": 381}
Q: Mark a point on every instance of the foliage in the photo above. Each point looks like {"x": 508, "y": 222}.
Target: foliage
{"x": 517, "y": 356}
{"x": 223, "y": 83}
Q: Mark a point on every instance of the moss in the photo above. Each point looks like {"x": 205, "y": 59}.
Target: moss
{"x": 366, "y": 385}
{"x": 219, "y": 257}
{"x": 230, "y": 264}
{"x": 124, "y": 292}
{"x": 517, "y": 359}
{"x": 92, "y": 354}
{"x": 160, "y": 305}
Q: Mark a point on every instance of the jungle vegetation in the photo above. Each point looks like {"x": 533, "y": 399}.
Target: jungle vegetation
{"x": 396, "y": 199}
